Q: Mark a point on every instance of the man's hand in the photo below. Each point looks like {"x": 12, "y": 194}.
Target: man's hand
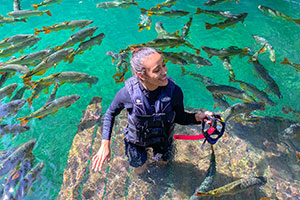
{"x": 101, "y": 156}
{"x": 201, "y": 116}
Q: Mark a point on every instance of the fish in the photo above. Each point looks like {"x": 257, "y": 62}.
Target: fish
{"x": 15, "y": 129}
{"x": 167, "y": 3}
{"x": 164, "y": 43}
{"x": 227, "y": 65}
{"x": 235, "y": 187}
{"x": 8, "y": 20}
{"x": 217, "y": 2}
{"x": 225, "y": 52}
{"x": 265, "y": 76}
{"x": 230, "y": 91}
{"x": 115, "y": 4}
{"x": 46, "y": 3}
{"x": 242, "y": 108}
{"x": 209, "y": 177}
{"x": 154, "y": 9}
{"x": 16, "y": 39}
{"x": 173, "y": 58}
{"x": 50, "y": 108}
{"x": 5, "y": 153}
{"x": 163, "y": 34}
{"x": 186, "y": 28}
{"x": 22, "y": 69}
{"x": 11, "y": 108}
{"x": 194, "y": 59}
{"x": 28, "y": 180}
{"x": 50, "y": 61}
{"x": 16, "y": 157}
{"x": 220, "y": 102}
{"x": 168, "y": 13}
{"x": 36, "y": 92}
{"x": 20, "y": 93}
{"x": 287, "y": 62}
{"x": 31, "y": 59}
{"x": 215, "y": 13}
{"x": 145, "y": 22}
{"x": 259, "y": 94}
{"x": 97, "y": 40}
{"x": 8, "y": 90}
{"x": 276, "y": 14}
{"x": 15, "y": 177}
{"x": 19, "y": 47}
{"x": 17, "y": 5}
{"x": 78, "y": 37}
{"x": 73, "y": 24}
{"x": 121, "y": 60}
{"x": 66, "y": 77}
{"x": 27, "y": 13}
{"x": 230, "y": 21}
{"x": 263, "y": 41}
{"x": 204, "y": 79}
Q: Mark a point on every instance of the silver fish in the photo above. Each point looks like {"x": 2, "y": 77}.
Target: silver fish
{"x": 11, "y": 107}
{"x": 16, "y": 157}
{"x": 46, "y": 3}
{"x": 28, "y": 180}
{"x": 28, "y": 13}
{"x": 16, "y": 39}
{"x": 22, "y": 69}
{"x": 31, "y": 59}
{"x": 263, "y": 41}
{"x": 163, "y": 34}
{"x": 14, "y": 129}
{"x": 19, "y": 47}
{"x": 8, "y": 90}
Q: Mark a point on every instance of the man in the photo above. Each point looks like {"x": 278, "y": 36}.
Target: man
{"x": 154, "y": 104}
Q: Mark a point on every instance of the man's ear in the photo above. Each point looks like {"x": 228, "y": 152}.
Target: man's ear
{"x": 141, "y": 76}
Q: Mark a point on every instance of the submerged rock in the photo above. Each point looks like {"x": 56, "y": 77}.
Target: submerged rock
{"x": 249, "y": 148}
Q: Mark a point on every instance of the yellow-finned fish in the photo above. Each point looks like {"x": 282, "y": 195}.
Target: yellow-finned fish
{"x": 226, "y": 52}
{"x": 36, "y": 92}
{"x": 167, "y": 3}
{"x": 31, "y": 59}
{"x": 8, "y": 90}
{"x": 50, "y": 61}
{"x": 215, "y": 13}
{"x": 287, "y": 62}
{"x": 164, "y": 43}
{"x": 11, "y": 108}
{"x": 263, "y": 41}
{"x": 46, "y": 3}
{"x": 145, "y": 23}
{"x": 235, "y": 187}
{"x": 22, "y": 69}
{"x": 276, "y": 14}
{"x": 115, "y": 4}
{"x": 50, "y": 108}
{"x": 230, "y": 21}
{"x": 16, "y": 39}
{"x": 97, "y": 40}
{"x": 28, "y": 13}
{"x": 78, "y": 37}
{"x": 66, "y": 77}
{"x": 217, "y": 2}
{"x": 8, "y": 20}
{"x": 163, "y": 34}
{"x": 168, "y": 13}
{"x": 64, "y": 25}
{"x": 19, "y": 47}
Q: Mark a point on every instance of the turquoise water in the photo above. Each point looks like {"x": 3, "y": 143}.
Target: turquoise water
{"x": 55, "y": 133}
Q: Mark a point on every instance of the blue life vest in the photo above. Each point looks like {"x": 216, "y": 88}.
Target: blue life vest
{"x": 146, "y": 125}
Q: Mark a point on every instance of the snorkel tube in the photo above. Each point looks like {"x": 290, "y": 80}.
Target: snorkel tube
{"x": 212, "y": 130}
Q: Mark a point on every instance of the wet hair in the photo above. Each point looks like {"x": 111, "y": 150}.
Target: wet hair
{"x": 137, "y": 58}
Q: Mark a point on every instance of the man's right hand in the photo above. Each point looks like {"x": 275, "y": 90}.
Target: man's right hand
{"x": 101, "y": 156}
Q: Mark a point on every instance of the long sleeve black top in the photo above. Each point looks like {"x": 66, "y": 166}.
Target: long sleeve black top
{"x": 122, "y": 98}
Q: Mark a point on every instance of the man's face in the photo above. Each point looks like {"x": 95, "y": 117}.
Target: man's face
{"x": 155, "y": 71}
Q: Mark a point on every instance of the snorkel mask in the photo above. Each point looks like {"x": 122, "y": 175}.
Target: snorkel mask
{"x": 211, "y": 131}
{"x": 212, "y": 128}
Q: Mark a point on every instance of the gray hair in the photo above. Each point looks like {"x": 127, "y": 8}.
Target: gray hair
{"x": 137, "y": 58}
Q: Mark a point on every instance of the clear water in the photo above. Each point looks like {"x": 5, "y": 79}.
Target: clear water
{"x": 55, "y": 133}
